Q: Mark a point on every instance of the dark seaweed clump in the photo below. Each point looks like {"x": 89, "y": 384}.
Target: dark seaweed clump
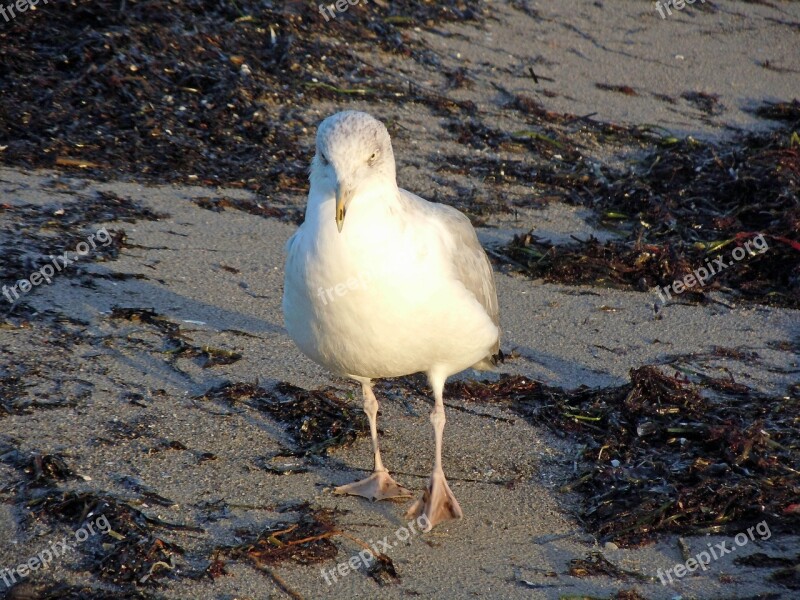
{"x": 178, "y": 343}
{"x": 130, "y": 552}
{"x": 665, "y": 458}
{"x": 121, "y": 545}
{"x": 595, "y": 564}
{"x": 305, "y": 541}
{"x": 30, "y": 235}
{"x": 39, "y": 470}
{"x": 317, "y": 420}
{"x": 686, "y": 203}
{"x": 26, "y": 590}
{"x": 253, "y": 207}
{"x": 196, "y": 90}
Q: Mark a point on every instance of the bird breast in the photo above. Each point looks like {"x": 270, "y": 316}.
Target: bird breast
{"x": 379, "y": 310}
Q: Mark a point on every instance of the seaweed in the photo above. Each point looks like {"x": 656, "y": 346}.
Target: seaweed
{"x": 26, "y": 590}
{"x": 707, "y": 103}
{"x": 788, "y": 577}
{"x": 655, "y": 448}
{"x": 622, "y": 89}
{"x": 306, "y": 541}
{"x": 40, "y": 470}
{"x": 196, "y": 91}
{"x": 178, "y": 343}
{"x": 32, "y": 236}
{"x": 12, "y": 388}
{"x": 26, "y": 383}
{"x": 683, "y": 205}
{"x": 787, "y": 574}
{"x": 317, "y": 420}
{"x": 780, "y": 111}
{"x": 253, "y": 207}
{"x": 610, "y": 264}
{"x": 137, "y": 555}
{"x": 383, "y": 570}
{"x": 596, "y": 564}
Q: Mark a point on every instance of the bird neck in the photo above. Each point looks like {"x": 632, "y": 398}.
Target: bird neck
{"x": 369, "y": 206}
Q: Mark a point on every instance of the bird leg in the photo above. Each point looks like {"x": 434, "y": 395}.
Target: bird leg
{"x": 438, "y": 502}
{"x": 379, "y": 485}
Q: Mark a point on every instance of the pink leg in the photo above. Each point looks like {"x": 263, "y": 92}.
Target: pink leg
{"x": 438, "y": 502}
{"x": 380, "y": 484}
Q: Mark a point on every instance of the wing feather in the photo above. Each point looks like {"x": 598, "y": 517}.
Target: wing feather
{"x": 471, "y": 264}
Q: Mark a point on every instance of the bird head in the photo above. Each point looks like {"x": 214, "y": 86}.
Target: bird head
{"x": 354, "y": 156}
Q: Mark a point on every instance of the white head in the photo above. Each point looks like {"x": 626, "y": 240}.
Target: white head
{"x": 354, "y": 154}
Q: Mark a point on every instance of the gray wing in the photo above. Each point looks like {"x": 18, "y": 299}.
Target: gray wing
{"x": 471, "y": 264}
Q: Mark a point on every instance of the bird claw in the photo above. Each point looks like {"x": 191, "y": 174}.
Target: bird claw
{"x": 437, "y": 503}
{"x": 378, "y": 486}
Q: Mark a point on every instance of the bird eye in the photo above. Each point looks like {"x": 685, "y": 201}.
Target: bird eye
{"x": 373, "y": 158}
{"x": 323, "y": 158}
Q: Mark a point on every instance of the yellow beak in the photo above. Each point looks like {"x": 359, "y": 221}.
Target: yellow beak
{"x": 343, "y": 196}
{"x": 339, "y": 213}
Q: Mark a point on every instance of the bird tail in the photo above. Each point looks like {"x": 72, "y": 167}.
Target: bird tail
{"x": 490, "y": 362}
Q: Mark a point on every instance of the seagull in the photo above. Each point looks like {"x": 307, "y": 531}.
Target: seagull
{"x": 381, "y": 283}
